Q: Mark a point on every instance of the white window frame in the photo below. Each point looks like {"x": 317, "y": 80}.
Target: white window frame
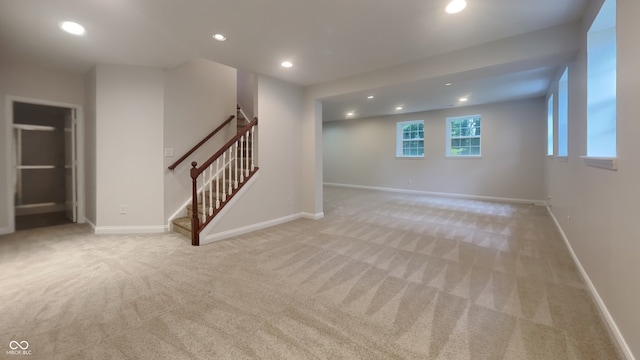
{"x": 563, "y": 115}
{"x": 400, "y": 138}
{"x": 448, "y": 152}
{"x": 550, "y": 125}
{"x": 601, "y": 87}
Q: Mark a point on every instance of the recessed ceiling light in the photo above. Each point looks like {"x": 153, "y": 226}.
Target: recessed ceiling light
{"x": 463, "y": 99}
{"x": 370, "y": 97}
{"x": 287, "y": 64}
{"x": 219, "y": 37}
{"x": 351, "y": 113}
{"x": 447, "y": 84}
{"x": 72, "y": 28}
{"x": 455, "y": 6}
{"x": 399, "y": 108}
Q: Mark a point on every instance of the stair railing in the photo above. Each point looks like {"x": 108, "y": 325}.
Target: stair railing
{"x": 197, "y": 146}
{"x": 223, "y": 174}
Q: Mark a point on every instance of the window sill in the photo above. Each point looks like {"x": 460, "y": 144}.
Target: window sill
{"x": 563, "y": 158}
{"x": 550, "y": 156}
{"x": 463, "y": 157}
{"x": 409, "y": 157}
{"x": 609, "y": 163}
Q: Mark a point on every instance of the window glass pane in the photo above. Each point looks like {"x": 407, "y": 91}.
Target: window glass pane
{"x": 601, "y": 83}
{"x": 409, "y": 138}
{"x": 464, "y": 136}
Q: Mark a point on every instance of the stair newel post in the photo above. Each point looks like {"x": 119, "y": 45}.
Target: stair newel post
{"x": 195, "y": 221}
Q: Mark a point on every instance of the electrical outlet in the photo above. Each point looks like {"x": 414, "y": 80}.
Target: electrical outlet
{"x": 123, "y": 209}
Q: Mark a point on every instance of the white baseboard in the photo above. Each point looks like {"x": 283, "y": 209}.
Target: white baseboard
{"x": 311, "y": 216}
{"x": 5, "y": 230}
{"x": 91, "y": 224}
{"x": 604, "y": 312}
{"x": 249, "y": 228}
{"x": 451, "y": 195}
{"x": 129, "y": 229}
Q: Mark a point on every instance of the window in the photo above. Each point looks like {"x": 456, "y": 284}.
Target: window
{"x": 410, "y": 138}
{"x": 550, "y": 122}
{"x": 601, "y": 83}
{"x": 463, "y": 136}
{"x": 563, "y": 114}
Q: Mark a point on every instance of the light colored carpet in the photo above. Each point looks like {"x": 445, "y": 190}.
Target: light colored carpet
{"x": 383, "y": 276}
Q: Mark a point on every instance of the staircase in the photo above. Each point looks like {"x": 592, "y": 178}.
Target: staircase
{"x": 219, "y": 179}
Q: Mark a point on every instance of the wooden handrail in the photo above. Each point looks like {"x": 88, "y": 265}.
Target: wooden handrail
{"x": 225, "y": 147}
{"x": 185, "y": 156}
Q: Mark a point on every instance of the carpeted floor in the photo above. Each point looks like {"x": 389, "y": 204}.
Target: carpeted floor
{"x": 383, "y": 276}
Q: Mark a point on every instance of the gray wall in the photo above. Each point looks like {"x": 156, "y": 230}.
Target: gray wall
{"x": 199, "y": 96}
{"x": 598, "y": 208}
{"x": 129, "y": 157}
{"x": 362, "y": 152}
{"x": 275, "y": 195}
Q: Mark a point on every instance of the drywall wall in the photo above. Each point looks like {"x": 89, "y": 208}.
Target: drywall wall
{"x": 598, "y": 208}
{"x": 246, "y": 93}
{"x": 129, "y": 156}
{"x": 22, "y": 79}
{"x": 275, "y": 194}
{"x": 90, "y": 145}
{"x": 199, "y": 96}
{"x": 363, "y": 152}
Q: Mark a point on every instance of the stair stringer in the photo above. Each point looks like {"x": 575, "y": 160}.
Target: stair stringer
{"x": 205, "y": 237}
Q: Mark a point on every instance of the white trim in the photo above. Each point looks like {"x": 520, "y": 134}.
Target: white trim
{"x": 152, "y": 229}
{"x": 5, "y": 230}
{"x": 448, "y": 137}
{"x": 609, "y": 163}
{"x": 400, "y": 139}
{"x": 604, "y": 312}
{"x": 249, "y": 228}
{"x": 91, "y": 225}
{"x": 452, "y": 195}
{"x": 9, "y": 100}
{"x": 311, "y": 216}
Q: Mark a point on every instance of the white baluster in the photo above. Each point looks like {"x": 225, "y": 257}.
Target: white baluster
{"x": 211, "y": 190}
{"x": 235, "y": 181}
{"x": 224, "y": 176}
{"x": 217, "y": 183}
{"x": 230, "y": 172}
{"x": 242, "y": 162}
{"x": 204, "y": 197}
{"x": 253, "y": 148}
{"x": 246, "y": 158}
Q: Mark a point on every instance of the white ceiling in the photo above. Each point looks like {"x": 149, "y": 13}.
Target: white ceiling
{"x": 326, "y": 40}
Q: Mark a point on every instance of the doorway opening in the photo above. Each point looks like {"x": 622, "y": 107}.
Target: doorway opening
{"x": 44, "y": 163}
